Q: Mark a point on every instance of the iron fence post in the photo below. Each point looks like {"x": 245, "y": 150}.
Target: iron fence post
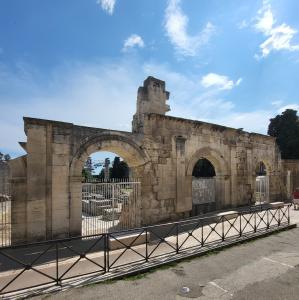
{"x": 240, "y": 224}
{"x": 177, "y": 238}
{"x": 146, "y": 245}
{"x": 113, "y": 205}
{"x": 279, "y": 209}
{"x": 107, "y": 251}
{"x": 288, "y": 214}
{"x": 255, "y": 221}
{"x": 268, "y": 225}
{"x": 202, "y": 234}
{"x": 222, "y": 221}
{"x": 57, "y": 269}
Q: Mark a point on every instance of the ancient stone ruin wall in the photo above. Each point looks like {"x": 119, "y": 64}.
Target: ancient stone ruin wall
{"x": 47, "y": 199}
{"x": 161, "y": 150}
{"x": 176, "y": 144}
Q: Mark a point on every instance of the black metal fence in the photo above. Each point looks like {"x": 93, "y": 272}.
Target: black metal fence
{"x": 59, "y": 262}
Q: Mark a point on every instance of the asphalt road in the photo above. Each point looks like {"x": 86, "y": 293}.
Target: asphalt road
{"x": 266, "y": 268}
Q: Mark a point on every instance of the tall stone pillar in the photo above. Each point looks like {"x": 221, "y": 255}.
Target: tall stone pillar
{"x": 36, "y": 181}
{"x": 183, "y": 184}
{"x": 18, "y": 200}
{"x": 76, "y": 205}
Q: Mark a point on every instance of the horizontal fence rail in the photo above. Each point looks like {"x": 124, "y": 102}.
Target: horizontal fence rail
{"x": 56, "y": 262}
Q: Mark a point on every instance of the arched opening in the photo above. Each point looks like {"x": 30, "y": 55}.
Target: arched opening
{"x": 261, "y": 184}
{"x": 104, "y": 165}
{"x": 122, "y": 196}
{"x": 109, "y": 194}
{"x": 203, "y": 187}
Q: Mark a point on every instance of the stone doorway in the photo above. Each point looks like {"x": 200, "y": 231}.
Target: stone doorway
{"x": 203, "y": 187}
{"x": 110, "y": 196}
{"x": 115, "y": 198}
{"x": 261, "y": 184}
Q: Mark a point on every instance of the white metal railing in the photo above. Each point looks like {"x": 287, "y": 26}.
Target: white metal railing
{"x": 109, "y": 206}
{"x": 262, "y": 189}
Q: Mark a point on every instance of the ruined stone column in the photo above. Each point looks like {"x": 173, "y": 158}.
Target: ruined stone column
{"x": 183, "y": 186}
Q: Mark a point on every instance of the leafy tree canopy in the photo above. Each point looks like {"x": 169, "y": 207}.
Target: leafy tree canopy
{"x": 119, "y": 169}
{"x": 285, "y": 128}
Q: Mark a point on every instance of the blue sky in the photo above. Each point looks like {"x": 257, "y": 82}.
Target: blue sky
{"x": 233, "y": 62}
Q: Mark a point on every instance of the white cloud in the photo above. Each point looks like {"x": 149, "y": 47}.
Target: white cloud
{"x": 277, "y": 103}
{"x": 243, "y": 24}
{"x": 238, "y": 81}
{"x": 265, "y": 20}
{"x": 288, "y": 106}
{"x": 221, "y": 82}
{"x": 107, "y": 5}
{"x": 279, "y": 37}
{"x": 175, "y": 25}
{"x": 74, "y": 93}
{"x": 78, "y": 93}
{"x": 132, "y": 41}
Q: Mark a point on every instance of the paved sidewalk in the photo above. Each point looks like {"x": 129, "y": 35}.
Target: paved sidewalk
{"x": 266, "y": 268}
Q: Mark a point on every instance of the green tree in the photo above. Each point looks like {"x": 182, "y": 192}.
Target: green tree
{"x": 84, "y": 174}
{"x": 119, "y": 169}
{"x": 102, "y": 174}
{"x": 285, "y": 128}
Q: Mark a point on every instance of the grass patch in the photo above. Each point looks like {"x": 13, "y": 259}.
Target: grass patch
{"x": 210, "y": 253}
{"x": 136, "y": 277}
{"x": 142, "y": 275}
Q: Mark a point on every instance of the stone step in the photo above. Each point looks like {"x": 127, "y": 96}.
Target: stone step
{"x": 123, "y": 241}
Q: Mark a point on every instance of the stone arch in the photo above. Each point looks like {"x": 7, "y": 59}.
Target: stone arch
{"x": 121, "y": 145}
{"x": 222, "y": 184}
{"x": 266, "y": 164}
{"x": 214, "y": 156}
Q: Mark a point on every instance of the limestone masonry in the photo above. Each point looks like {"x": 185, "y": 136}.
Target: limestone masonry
{"x": 161, "y": 150}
